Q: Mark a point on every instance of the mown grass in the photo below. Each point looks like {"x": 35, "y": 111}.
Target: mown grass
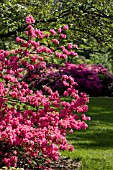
{"x": 94, "y": 147}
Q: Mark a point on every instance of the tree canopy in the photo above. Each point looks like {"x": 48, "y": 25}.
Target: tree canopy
{"x": 90, "y": 21}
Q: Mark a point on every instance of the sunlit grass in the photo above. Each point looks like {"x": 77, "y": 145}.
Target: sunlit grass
{"x": 94, "y": 147}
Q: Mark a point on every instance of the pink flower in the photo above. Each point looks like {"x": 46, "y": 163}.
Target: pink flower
{"x": 13, "y": 159}
{"x": 1, "y": 56}
{"x": 63, "y": 147}
{"x": 71, "y": 131}
{"x": 63, "y": 36}
{"x": 66, "y": 93}
{"x": 18, "y": 39}
{"x": 73, "y": 53}
{"x": 84, "y": 117}
{"x": 55, "y": 41}
{"x": 59, "y": 30}
{"x": 65, "y": 83}
{"x": 30, "y": 67}
{"x": 65, "y": 77}
{"x": 84, "y": 125}
{"x": 83, "y": 108}
{"x": 63, "y": 56}
{"x": 88, "y": 118}
{"x": 15, "y": 152}
{"x": 75, "y": 46}
{"x": 71, "y": 148}
{"x": 47, "y": 35}
{"x": 58, "y": 55}
{"x": 30, "y": 19}
{"x": 13, "y": 94}
{"x": 70, "y": 46}
{"x": 65, "y": 51}
{"x": 65, "y": 27}
{"x": 52, "y": 31}
{"x": 6, "y": 53}
{"x": 6, "y": 160}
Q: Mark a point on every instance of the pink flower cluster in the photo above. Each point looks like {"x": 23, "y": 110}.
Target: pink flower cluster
{"x": 30, "y": 20}
{"x": 31, "y": 123}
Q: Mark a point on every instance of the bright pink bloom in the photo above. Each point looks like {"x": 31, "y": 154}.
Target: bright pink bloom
{"x": 59, "y": 30}
{"x": 52, "y": 31}
{"x": 30, "y": 20}
{"x": 70, "y": 46}
{"x": 75, "y": 46}
{"x": 63, "y": 36}
{"x": 55, "y": 41}
{"x": 65, "y": 27}
{"x": 65, "y": 83}
{"x": 18, "y": 39}
{"x": 71, "y": 148}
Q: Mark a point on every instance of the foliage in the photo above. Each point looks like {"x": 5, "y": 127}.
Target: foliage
{"x": 12, "y": 21}
{"x": 33, "y": 126}
{"x": 91, "y": 22}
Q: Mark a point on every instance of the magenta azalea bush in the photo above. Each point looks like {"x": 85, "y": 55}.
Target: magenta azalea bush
{"x": 33, "y": 125}
{"x": 95, "y": 80}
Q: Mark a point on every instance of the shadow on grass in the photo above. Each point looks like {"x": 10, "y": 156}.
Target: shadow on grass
{"x": 100, "y": 131}
{"x": 101, "y": 109}
{"x": 94, "y": 139}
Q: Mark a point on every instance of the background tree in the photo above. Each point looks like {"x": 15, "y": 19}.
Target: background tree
{"x": 90, "y": 22}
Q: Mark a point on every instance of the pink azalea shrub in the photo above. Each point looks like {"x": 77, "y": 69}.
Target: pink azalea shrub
{"x": 33, "y": 125}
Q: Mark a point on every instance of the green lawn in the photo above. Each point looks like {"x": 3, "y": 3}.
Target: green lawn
{"x": 94, "y": 147}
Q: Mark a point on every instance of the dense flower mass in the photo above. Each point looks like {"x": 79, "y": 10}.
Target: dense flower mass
{"x": 33, "y": 123}
{"x": 95, "y": 80}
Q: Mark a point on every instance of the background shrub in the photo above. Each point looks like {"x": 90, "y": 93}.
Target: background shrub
{"x": 93, "y": 79}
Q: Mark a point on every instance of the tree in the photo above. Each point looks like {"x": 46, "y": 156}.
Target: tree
{"x": 90, "y": 21}
{"x": 13, "y": 18}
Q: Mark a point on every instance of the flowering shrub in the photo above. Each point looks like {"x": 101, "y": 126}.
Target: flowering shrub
{"x": 92, "y": 79}
{"x": 106, "y": 79}
{"x": 33, "y": 125}
{"x": 95, "y": 80}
